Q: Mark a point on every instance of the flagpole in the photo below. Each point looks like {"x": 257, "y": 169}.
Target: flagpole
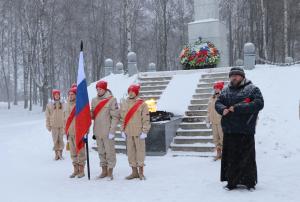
{"x": 87, "y": 139}
{"x": 87, "y": 155}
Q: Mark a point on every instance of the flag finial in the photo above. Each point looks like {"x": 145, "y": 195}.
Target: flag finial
{"x": 81, "y": 46}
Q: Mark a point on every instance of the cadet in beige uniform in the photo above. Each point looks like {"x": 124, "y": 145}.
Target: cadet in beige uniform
{"x": 135, "y": 131}
{"x": 78, "y": 160}
{"x": 55, "y": 123}
{"x": 105, "y": 112}
{"x": 215, "y": 119}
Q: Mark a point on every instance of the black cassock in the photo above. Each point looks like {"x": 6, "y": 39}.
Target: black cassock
{"x": 238, "y": 164}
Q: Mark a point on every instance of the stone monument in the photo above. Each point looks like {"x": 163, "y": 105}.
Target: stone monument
{"x": 208, "y": 26}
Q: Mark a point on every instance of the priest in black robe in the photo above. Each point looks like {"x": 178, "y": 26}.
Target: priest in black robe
{"x": 239, "y": 105}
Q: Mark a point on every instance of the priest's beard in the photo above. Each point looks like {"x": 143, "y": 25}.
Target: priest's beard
{"x": 236, "y": 82}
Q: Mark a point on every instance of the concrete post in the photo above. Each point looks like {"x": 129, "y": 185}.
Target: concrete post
{"x": 152, "y": 67}
{"x": 289, "y": 60}
{"x": 132, "y": 63}
{"x": 119, "y": 68}
{"x": 108, "y": 66}
{"x": 239, "y": 62}
{"x": 249, "y": 56}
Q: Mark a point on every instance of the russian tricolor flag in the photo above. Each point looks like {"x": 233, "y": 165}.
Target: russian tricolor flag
{"x": 82, "y": 116}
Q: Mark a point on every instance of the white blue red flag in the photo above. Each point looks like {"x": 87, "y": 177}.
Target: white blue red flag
{"x": 82, "y": 115}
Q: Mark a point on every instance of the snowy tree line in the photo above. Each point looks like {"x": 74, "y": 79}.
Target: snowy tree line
{"x": 40, "y": 38}
{"x": 40, "y": 41}
{"x": 273, "y": 26}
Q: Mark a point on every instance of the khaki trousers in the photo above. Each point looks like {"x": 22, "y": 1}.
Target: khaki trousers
{"x": 106, "y": 151}
{"x": 217, "y": 135}
{"x": 77, "y": 159}
{"x": 136, "y": 151}
{"x": 58, "y": 140}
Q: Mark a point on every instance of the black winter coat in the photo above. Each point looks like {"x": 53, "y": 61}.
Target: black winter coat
{"x": 243, "y": 119}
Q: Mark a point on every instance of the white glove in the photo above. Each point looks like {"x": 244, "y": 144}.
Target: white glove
{"x": 111, "y": 136}
{"x": 123, "y": 135}
{"x": 207, "y": 122}
{"x": 208, "y": 125}
{"x": 143, "y": 136}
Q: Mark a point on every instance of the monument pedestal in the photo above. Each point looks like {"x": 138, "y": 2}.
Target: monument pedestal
{"x": 208, "y": 26}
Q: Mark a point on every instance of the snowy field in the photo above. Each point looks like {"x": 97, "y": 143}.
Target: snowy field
{"x": 28, "y": 172}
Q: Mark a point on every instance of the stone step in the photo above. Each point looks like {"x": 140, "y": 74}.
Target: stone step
{"x": 120, "y": 141}
{"x": 153, "y": 83}
{"x": 190, "y": 119}
{"x": 196, "y": 113}
{"x": 197, "y": 147}
{"x": 198, "y": 107}
{"x": 120, "y": 144}
{"x": 148, "y": 97}
{"x": 199, "y": 101}
{"x": 149, "y": 88}
{"x": 118, "y": 130}
{"x": 154, "y": 92}
{"x": 216, "y": 75}
{"x": 210, "y": 85}
{"x": 120, "y": 149}
{"x": 194, "y": 132}
{"x": 192, "y": 125}
{"x": 159, "y": 78}
{"x": 204, "y": 90}
{"x": 213, "y": 80}
{"x": 202, "y": 95}
{"x": 205, "y": 85}
{"x": 193, "y": 139}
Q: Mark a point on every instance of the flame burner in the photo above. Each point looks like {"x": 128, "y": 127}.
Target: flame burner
{"x": 160, "y": 116}
{"x": 156, "y": 116}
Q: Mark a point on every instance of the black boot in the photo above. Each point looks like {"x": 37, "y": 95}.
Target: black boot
{"x": 251, "y": 187}
{"x": 230, "y": 187}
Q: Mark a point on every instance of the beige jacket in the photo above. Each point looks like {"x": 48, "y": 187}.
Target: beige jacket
{"x": 54, "y": 115}
{"x": 107, "y": 120}
{"x": 213, "y": 116}
{"x": 140, "y": 122}
{"x": 68, "y": 109}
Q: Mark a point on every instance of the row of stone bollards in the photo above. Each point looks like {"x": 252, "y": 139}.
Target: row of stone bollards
{"x": 250, "y": 58}
{"x": 248, "y": 62}
{"x": 119, "y": 67}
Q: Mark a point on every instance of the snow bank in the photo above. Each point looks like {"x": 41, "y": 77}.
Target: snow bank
{"x": 178, "y": 94}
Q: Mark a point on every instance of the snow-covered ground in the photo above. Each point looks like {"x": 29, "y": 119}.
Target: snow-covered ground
{"x": 29, "y": 173}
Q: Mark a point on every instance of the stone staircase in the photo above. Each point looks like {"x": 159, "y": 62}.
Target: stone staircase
{"x": 152, "y": 87}
{"x": 193, "y": 135}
